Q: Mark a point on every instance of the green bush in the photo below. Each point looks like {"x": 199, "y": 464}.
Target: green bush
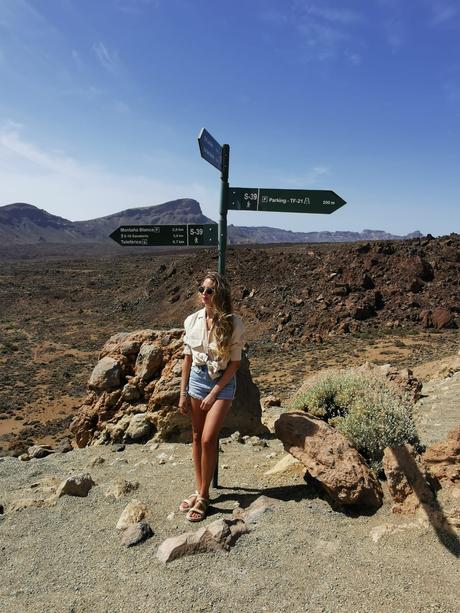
{"x": 368, "y": 411}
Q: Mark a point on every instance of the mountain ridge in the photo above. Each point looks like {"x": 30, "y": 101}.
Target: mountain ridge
{"x": 23, "y": 224}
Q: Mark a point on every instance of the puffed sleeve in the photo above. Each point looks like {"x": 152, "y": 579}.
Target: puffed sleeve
{"x": 238, "y": 339}
{"x": 187, "y": 350}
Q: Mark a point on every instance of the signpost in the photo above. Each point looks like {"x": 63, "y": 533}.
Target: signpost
{"x": 175, "y": 235}
{"x": 231, "y": 198}
{"x": 210, "y": 149}
{"x": 218, "y": 156}
{"x": 257, "y": 199}
{"x": 284, "y": 200}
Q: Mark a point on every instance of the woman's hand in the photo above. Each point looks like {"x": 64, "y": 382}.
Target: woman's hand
{"x": 185, "y": 405}
{"x": 207, "y": 402}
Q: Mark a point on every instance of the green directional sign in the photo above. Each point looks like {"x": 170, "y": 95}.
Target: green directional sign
{"x": 175, "y": 235}
{"x": 284, "y": 200}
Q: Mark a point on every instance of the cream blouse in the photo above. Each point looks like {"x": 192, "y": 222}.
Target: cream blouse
{"x": 203, "y": 347}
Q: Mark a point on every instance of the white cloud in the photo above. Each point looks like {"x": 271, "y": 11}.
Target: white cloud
{"x": 443, "y": 11}
{"x": 328, "y": 32}
{"x": 334, "y": 15}
{"x": 108, "y": 58}
{"x": 309, "y": 179}
{"x": 75, "y": 190}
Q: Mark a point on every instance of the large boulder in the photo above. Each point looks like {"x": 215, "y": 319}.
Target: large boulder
{"x": 427, "y": 485}
{"x": 134, "y": 392}
{"x": 330, "y": 459}
{"x": 106, "y": 374}
{"x": 407, "y": 479}
{"x": 438, "y": 318}
{"x": 443, "y": 459}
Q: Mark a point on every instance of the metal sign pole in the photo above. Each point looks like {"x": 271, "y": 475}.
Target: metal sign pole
{"x": 223, "y": 209}
{"x": 222, "y": 246}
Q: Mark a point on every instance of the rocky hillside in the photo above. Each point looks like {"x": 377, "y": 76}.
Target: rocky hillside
{"x": 22, "y": 223}
{"x": 305, "y": 293}
{"x": 25, "y": 224}
{"x": 241, "y": 235}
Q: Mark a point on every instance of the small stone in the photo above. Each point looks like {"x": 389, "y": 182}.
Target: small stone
{"x": 120, "y": 488}
{"x": 39, "y": 451}
{"x": 133, "y": 513}
{"x": 283, "y": 465}
{"x": 24, "y": 457}
{"x": 64, "y": 445}
{"x": 96, "y": 461}
{"x": 135, "y": 534}
{"x": 76, "y": 485}
{"x": 118, "y": 447}
{"x": 171, "y": 516}
{"x": 236, "y": 437}
{"x": 225, "y": 466}
{"x": 217, "y": 536}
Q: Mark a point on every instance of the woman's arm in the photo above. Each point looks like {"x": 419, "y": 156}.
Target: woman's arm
{"x": 228, "y": 374}
{"x": 184, "y": 400}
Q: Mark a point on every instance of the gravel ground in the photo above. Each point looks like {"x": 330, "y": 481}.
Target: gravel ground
{"x": 303, "y": 556}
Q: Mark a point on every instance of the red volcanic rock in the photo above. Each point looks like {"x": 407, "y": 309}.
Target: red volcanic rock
{"x": 407, "y": 479}
{"x": 134, "y": 394}
{"x": 330, "y": 459}
{"x": 438, "y": 318}
{"x": 443, "y": 459}
{"x": 442, "y": 318}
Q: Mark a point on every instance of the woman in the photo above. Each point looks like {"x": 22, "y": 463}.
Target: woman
{"x": 212, "y": 353}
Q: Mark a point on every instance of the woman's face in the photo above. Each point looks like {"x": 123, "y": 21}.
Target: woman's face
{"x": 207, "y": 297}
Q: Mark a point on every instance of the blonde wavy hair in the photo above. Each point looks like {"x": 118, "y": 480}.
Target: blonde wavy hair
{"x": 222, "y": 319}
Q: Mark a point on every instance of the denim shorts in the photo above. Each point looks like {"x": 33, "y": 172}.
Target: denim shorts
{"x": 200, "y": 384}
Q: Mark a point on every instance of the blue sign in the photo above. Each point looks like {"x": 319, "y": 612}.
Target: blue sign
{"x": 210, "y": 149}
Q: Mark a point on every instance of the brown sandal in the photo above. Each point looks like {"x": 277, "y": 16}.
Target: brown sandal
{"x": 200, "y": 508}
{"x": 188, "y": 503}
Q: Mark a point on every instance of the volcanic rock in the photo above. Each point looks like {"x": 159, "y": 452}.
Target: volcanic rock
{"x": 443, "y": 459}
{"x": 133, "y": 513}
{"x": 136, "y": 533}
{"x": 407, "y": 479}
{"x": 330, "y": 459}
{"x": 76, "y": 485}
{"x": 438, "y": 318}
{"x": 39, "y": 451}
{"x": 148, "y": 364}
{"x": 121, "y": 487}
{"x": 220, "y": 535}
{"x": 106, "y": 375}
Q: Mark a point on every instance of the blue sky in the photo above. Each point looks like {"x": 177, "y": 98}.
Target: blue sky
{"x": 101, "y": 102}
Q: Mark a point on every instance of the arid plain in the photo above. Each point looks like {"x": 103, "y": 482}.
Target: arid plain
{"x": 306, "y": 308}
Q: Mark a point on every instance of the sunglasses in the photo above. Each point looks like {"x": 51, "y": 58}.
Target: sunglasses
{"x": 206, "y": 290}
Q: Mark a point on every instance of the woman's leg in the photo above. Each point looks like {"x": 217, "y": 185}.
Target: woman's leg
{"x": 198, "y": 419}
{"x": 214, "y": 419}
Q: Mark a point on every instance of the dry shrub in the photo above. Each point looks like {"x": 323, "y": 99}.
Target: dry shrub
{"x": 364, "y": 408}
